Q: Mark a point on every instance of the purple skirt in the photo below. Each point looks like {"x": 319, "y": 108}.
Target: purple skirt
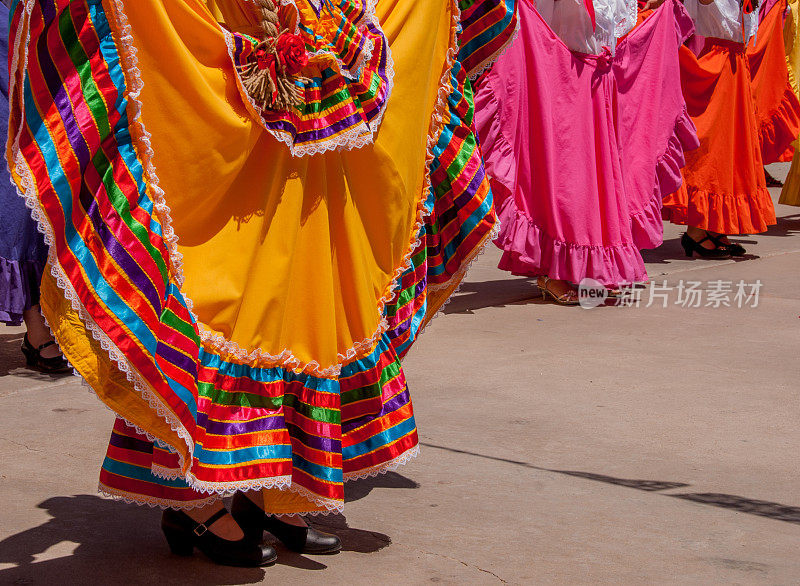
{"x": 23, "y": 252}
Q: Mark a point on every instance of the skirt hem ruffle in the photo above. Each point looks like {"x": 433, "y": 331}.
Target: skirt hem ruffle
{"x": 109, "y": 345}
{"x": 529, "y": 251}
{"x": 326, "y": 506}
{"x": 647, "y": 225}
{"x": 780, "y": 129}
{"x": 721, "y": 213}
{"x": 154, "y": 502}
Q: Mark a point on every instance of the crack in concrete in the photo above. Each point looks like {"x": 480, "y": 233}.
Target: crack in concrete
{"x": 491, "y": 574}
{"x": 21, "y": 445}
{"x": 463, "y": 563}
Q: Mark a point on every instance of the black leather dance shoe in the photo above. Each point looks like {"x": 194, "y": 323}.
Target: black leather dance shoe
{"x": 690, "y": 246}
{"x": 253, "y": 521}
{"x": 771, "y": 181}
{"x": 733, "y": 248}
{"x": 184, "y": 534}
{"x": 34, "y": 358}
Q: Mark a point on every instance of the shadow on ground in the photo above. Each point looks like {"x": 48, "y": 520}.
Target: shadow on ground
{"x": 101, "y": 541}
{"x": 93, "y": 540}
{"x": 671, "y": 249}
{"x": 501, "y": 292}
{"x": 497, "y": 293}
{"x": 12, "y": 360}
{"x": 770, "y": 510}
{"x": 11, "y": 357}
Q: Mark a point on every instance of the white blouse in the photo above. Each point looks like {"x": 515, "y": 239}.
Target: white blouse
{"x": 723, "y": 19}
{"x": 570, "y": 21}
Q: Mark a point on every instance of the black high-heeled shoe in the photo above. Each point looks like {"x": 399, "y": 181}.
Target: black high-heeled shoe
{"x": 184, "y": 534}
{"x": 34, "y": 358}
{"x": 690, "y": 246}
{"x": 771, "y": 181}
{"x": 733, "y": 248}
{"x": 253, "y": 521}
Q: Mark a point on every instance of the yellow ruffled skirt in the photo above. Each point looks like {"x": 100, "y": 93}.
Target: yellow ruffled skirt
{"x": 790, "y": 194}
{"x": 240, "y": 284}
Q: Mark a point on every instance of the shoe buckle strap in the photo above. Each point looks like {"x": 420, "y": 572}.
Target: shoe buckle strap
{"x": 202, "y": 528}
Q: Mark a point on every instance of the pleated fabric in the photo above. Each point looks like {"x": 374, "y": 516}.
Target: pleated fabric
{"x": 790, "y": 194}
{"x": 244, "y": 310}
{"x": 777, "y": 107}
{"x": 577, "y": 166}
{"x": 724, "y": 188}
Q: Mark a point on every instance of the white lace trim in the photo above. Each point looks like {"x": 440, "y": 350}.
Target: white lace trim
{"x": 12, "y": 76}
{"x": 487, "y": 63}
{"x": 333, "y": 506}
{"x": 359, "y": 136}
{"x": 325, "y": 506}
{"x": 481, "y": 249}
{"x": 286, "y": 358}
{"x": 436, "y": 127}
{"x": 366, "y": 54}
{"x": 228, "y": 488}
{"x": 467, "y": 264}
{"x": 628, "y": 20}
{"x": 154, "y": 502}
{"x": 389, "y": 466}
{"x": 27, "y": 190}
{"x": 210, "y": 338}
{"x": 461, "y": 274}
{"x": 328, "y": 506}
{"x": 163, "y": 472}
{"x": 90, "y": 390}
{"x": 129, "y": 62}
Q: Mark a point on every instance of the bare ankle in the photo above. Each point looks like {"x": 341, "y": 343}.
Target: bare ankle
{"x": 695, "y": 233}
{"x": 38, "y": 332}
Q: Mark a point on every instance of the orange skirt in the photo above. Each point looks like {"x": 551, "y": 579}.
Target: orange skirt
{"x": 724, "y": 189}
{"x": 777, "y": 107}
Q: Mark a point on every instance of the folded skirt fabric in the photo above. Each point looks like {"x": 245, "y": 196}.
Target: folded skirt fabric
{"x": 239, "y": 285}
{"x": 577, "y": 166}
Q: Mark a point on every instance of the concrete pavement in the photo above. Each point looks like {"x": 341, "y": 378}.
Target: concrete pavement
{"x": 624, "y": 445}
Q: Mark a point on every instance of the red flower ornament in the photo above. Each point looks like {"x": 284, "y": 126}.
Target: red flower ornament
{"x": 292, "y": 52}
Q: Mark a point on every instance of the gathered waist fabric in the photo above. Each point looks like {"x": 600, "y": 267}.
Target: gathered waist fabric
{"x": 578, "y": 166}
{"x": 724, "y": 187}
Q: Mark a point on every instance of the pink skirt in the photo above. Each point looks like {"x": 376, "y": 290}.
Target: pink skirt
{"x": 581, "y": 148}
